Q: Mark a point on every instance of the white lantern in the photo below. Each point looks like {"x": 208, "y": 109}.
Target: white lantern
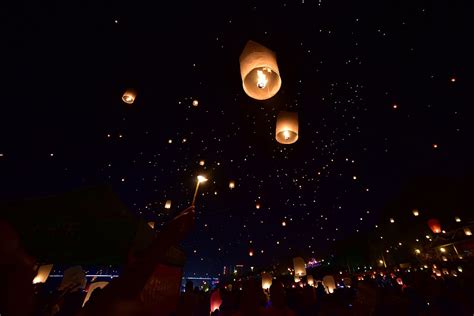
{"x": 310, "y": 280}
{"x": 266, "y": 280}
{"x": 329, "y": 282}
{"x": 43, "y": 273}
{"x": 286, "y": 131}
{"x": 168, "y": 204}
{"x": 300, "y": 266}
{"x": 129, "y": 96}
{"x": 259, "y": 71}
{"x": 416, "y": 212}
{"x": 231, "y": 184}
{"x": 467, "y": 231}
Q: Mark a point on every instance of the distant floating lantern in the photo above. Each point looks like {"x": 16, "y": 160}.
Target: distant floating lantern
{"x": 329, "y": 282}
{"x": 300, "y": 266}
{"x": 415, "y": 212}
{"x": 434, "y": 225}
{"x": 392, "y": 220}
{"x": 457, "y": 219}
{"x": 231, "y": 184}
{"x": 297, "y": 279}
{"x": 43, "y": 273}
{"x": 266, "y": 280}
{"x": 257, "y": 205}
{"x": 467, "y": 231}
{"x": 151, "y": 225}
{"x": 168, "y": 204}
{"x": 283, "y": 223}
{"x": 195, "y": 102}
{"x": 250, "y": 253}
{"x": 129, "y": 96}
{"x": 259, "y": 71}
{"x": 310, "y": 280}
{"x": 287, "y": 127}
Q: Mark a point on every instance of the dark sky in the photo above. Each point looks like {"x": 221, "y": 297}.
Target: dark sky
{"x": 376, "y": 85}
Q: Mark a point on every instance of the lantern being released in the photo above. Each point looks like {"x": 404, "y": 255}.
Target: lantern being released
{"x": 329, "y": 283}
{"x": 266, "y": 280}
{"x": 434, "y": 225}
{"x": 310, "y": 280}
{"x": 168, "y": 204}
{"x": 43, "y": 273}
{"x": 129, "y": 96}
{"x": 287, "y": 127}
{"x": 259, "y": 71}
{"x": 300, "y": 266}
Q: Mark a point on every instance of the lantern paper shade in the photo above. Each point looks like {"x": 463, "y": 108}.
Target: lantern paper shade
{"x": 287, "y": 127}
{"x": 457, "y": 219}
{"x": 151, "y": 225}
{"x": 259, "y": 71}
{"x": 416, "y": 212}
{"x": 467, "y": 231}
{"x": 92, "y": 288}
{"x": 310, "y": 280}
{"x": 434, "y": 225}
{"x": 329, "y": 282}
{"x": 43, "y": 273}
{"x": 168, "y": 204}
{"x": 300, "y": 267}
{"x": 231, "y": 184}
{"x": 129, "y": 96}
{"x": 266, "y": 280}
{"x": 216, "y": 300}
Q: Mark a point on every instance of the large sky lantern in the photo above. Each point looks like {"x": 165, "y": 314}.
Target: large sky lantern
{"x": 266, "y": 280}
{"x": 286, "y": 131}
{"x": 129, "y": 96}
{"x": 259, "y": 71}
{"x": 329, "y": 283}
{"x": 43, "y": 273}
{"x": 434, "y": 225}
{"x": 299, "y": 266}
{"x": 310, "y": 280}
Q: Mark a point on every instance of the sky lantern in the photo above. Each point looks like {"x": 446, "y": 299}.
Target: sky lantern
{"x": 415, "y": 212}
{"x": 329, "y": 282}
{"x": 43, "y": 273}
{"x": 457, "y": 219}
{"x": 168, "y": 204}
{"x": 216, "y": 300}
{"x": 129, "y": 96}
{"x": 467, "y": 231}
{"x": 434, "y": 225}
{"x": 92, "y": 287}
{"x": 310, "y": 280}
{"x": 259, "y": 71}
{"x": 266, "y": 280}
{"x": 287, "y": 127}
{"x": 251, "y": 253}
{"x": 257, "y": 205}
{"x": 300, "y": 266}
{"x": 231, "y": 184}
{"x": 151, "y": 225}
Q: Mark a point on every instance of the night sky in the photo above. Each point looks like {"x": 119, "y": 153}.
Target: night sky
{"x": 383, "y": 93}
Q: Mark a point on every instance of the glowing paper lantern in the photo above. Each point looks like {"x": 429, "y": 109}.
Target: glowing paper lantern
{"x": 92, "y": 287}
{"x": 129, "y": 96}
{"x": 329, "y": 282}
{"x": 259, "y": 71}
{"x": 434, "y": 225}
{"x": 310, "y": 280}
{"x": 257, "y": 205}
{"x": 287, "y": 127}
{"x": 467, "y": 231}
{"x": 416, "y": 212}
{"x": 347, "y": 281}
{"x": 168, "y": 204}
{"x": 216, "y": 300}
{"x": 300, "y": 266}
{"x": 457, "y": 219}
{"x": 266, "y": 280}
{"x": 250, "y": 253}
{"x": 151, "y": 225}
{"x": 297, "y": 279}
{"x": 43, "y": 273}
{"x": 231, "y": 185}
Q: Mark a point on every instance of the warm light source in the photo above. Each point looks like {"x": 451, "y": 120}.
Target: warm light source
{"x": 310, "y": 280}
{"x": 300, "y": 266}
{"x": 286, "y": 131}
{"x": 200, "y": 178}
{"x": 434, "y": 225}
{"x": 168, "y": 204}
{"x": 392, "y": 220}
{"x": 259, "y": 71}
{"x": 92, "y": 287}
{"x": 457, "y": 219}
{"x": 266, "y": 280}
{"x": 43, "y": 273}
{"x": 416, "y": 212}
{"x": 231, "y": 184}
{"x": 129, "y": 96}
{"x": 330, "y": 283}
{"x": 467, "y": 231}
{"x": 417, "y": 251}
{"x": 443, "y": 250}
